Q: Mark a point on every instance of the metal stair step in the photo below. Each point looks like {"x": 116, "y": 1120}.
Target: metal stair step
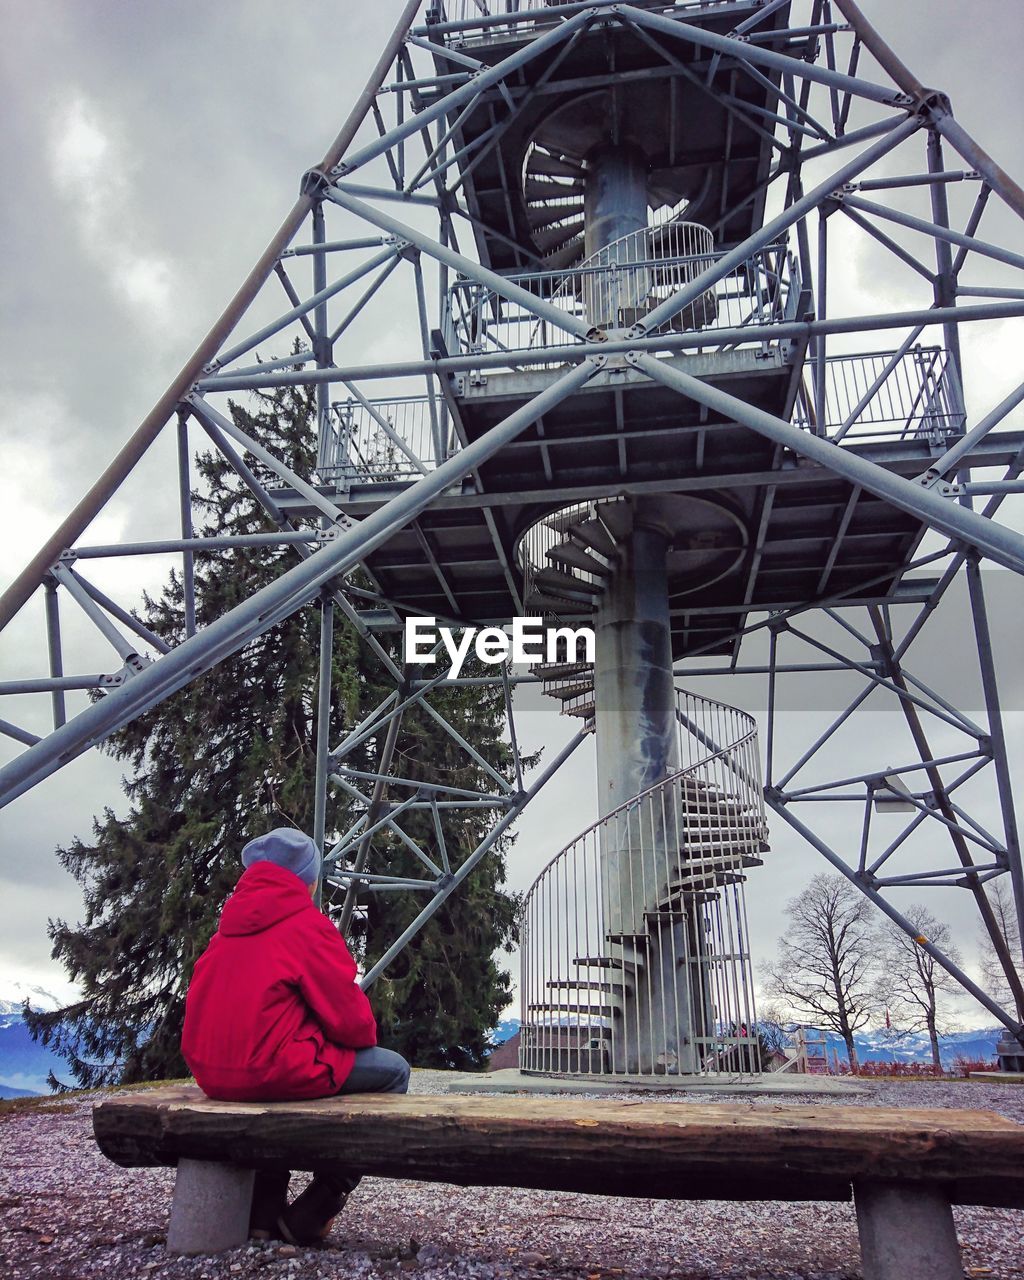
{"x": 723, "y": 861}
{"x": 716, "y": 847}
{"x": 539, "y": 603}
{"x": 716, "y": 843}
{"x": 554, "y": 670}
{"x": 548, "y": 241}
{"x": 667, "y": 914}
{"x": 554, "y": 583}
{"x": 544, "y": 214}
{"x": 608, "y": 962}
{"x": 593, "y": 534}
{"x": 691, "y": 781}
{"x": 583, "y": 1032}
{"x": 703, "y": 821}
{"x": 569, "y": 553}
{"x": 582, "y": 709}
{"x": 632, "y": 939}
{"x": 560, "y": 166}
{"x": 586, "y": 984}
{"x": 617, "y": 518}
{"x": 565, "y": 257}
{"x": 706, "y": 890}
{"x": 540, "y": 189}
{"x": 568, "y": 690}
{"x": 559, "y": 1006}
{"x": 706, "y": 879}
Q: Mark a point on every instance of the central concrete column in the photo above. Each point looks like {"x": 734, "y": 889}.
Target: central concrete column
{"x": 637, "y": 739}
{"x": 614, "y": 196}
{"x": 638, "y": 746}
{"x": 614, "y": 206}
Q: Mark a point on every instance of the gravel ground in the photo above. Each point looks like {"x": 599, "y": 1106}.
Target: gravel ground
{"x": 66, "y": 1213}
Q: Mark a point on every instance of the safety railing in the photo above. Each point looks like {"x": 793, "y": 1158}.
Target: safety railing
{"x": 479, "y": 15}
{"x": 763, "y": 291}
{"x": 634, "y": 940}
{"x": 867, "y": 396}
{"x": 622, "y": 282}
{"x": 883, "y": 395}
{"x": 382, "y": 440}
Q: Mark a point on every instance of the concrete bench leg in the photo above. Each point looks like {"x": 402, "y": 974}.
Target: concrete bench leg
{"x": 210, "y": 1210}
{"x": 906, "y": 1233}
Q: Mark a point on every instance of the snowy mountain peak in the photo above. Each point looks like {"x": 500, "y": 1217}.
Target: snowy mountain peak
{"x": 14, "y": 994}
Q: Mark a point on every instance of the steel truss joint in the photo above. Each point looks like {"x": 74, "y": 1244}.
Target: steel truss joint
{"x": 334, "y": 531}
{"x": 313, "y": 183}
{"x": 133, "y": 665}
{"x": 884, "y": 662}
{"x": 932, "y": 479}
{"x": 933, "y": 106}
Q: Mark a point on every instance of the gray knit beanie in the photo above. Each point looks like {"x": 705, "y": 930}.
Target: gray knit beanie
{"x": 288, "y": 848}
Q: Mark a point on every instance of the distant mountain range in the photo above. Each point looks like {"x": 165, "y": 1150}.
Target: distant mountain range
{"x": 976, "y": 1044}
{"x": 25, "y": 1065}
{"x": 505, "y": 1030}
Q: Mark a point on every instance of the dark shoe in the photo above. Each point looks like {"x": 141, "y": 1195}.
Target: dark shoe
{"x": 269, "y": 1201}
{"x": 309, "y": 1217}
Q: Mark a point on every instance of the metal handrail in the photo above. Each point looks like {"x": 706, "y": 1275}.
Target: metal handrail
{"x": 651, "y": 896}
{"x": 482, "y": 13}
{"x": 620, "y": 282}
{"x": 760, "y": 291}
{"x": 628, "y": 805}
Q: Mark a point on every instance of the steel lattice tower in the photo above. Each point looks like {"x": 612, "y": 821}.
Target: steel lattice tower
{"x": 632, "y": 399}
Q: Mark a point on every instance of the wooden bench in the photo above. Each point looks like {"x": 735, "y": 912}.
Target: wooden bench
{"x": 904, "y": 1168}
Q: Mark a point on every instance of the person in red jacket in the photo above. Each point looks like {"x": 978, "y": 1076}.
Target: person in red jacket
{"x": 274, "y": 1013}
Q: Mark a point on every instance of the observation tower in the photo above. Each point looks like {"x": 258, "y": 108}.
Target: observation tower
{"x": 636, "y": 391}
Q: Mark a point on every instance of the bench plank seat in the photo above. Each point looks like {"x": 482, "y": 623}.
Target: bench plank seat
{"x": 664, "y": 1150}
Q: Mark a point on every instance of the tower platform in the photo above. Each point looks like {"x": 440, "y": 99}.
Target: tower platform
{"x": 806, "y": 533}
{"x": 778, "y": 1083}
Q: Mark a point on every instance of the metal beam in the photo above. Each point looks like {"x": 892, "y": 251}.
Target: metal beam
{"x": 897, "y": 917}
{"x": 976, "y": 156}
{"x": 902, "y": 128}
{"x": 270, "y": 605}
{"x": 744, "y": 51}
{"x": 73, "y": 526}
{"x": 448, "y": 887}
{"x": 671, "y": 342}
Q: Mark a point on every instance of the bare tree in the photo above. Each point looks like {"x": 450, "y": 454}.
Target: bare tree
{"x": 771, "y": 1024}
{"x": 825, "y": 966}
{"x": 912, "y": 985}
{"x": 993, "y": 975}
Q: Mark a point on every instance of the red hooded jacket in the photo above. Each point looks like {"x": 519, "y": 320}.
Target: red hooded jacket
{"x": 273, "y": 1010}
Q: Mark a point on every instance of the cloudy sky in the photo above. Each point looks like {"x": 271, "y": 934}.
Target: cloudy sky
{"x": 150, "y": 150}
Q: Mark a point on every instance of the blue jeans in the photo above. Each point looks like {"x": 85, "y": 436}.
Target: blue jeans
{"x": 377, "y": 1071}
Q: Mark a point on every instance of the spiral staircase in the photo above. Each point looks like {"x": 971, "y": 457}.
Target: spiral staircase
{"x": 658, "y": 983}
{"x": 635, "y": 953}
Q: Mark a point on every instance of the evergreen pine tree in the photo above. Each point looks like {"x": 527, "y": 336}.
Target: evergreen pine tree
{"x": 231, "y": 755}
